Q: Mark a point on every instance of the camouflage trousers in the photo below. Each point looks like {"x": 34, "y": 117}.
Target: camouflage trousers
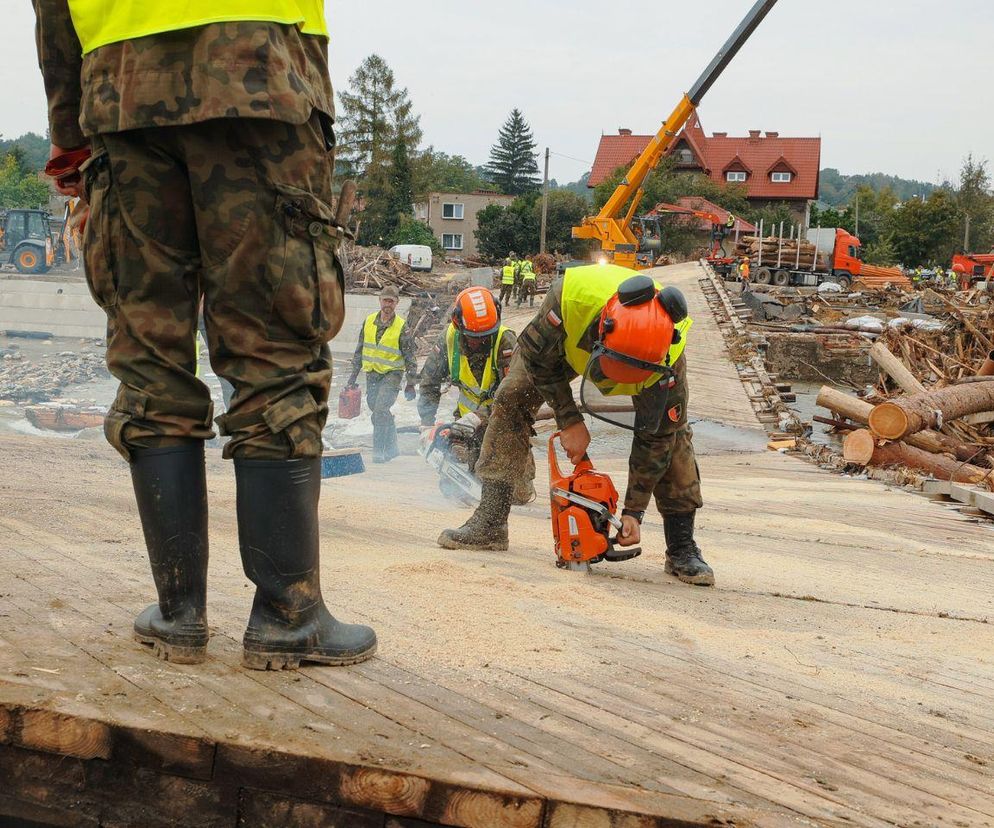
{"x": 382, "y": 391}
{"x": 663, "y": 462}
{"x": 235, "y": 212}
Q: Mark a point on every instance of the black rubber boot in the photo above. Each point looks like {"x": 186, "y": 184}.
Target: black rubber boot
{"x": 487, "y": 527}
{"x": 171, "y": 491}
{"x": 278, "y": 536}
{"x": 378, "y": 451}
{"x": 683, "y": 555}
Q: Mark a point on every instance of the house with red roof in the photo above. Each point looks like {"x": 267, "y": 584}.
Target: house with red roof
{"x": 773, "y": 169}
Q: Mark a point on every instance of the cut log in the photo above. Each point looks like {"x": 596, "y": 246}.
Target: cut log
{"x": 863, "y": 449}
{"x": 895, "y": 369}
{"x": 859, "y": 411}
{"x": 896, "y": 419}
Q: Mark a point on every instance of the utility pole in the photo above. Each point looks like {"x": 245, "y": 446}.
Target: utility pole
{"x": 857, "y": 215}
{"x": 966, "y": 235}
{"x": 545, "y": 203}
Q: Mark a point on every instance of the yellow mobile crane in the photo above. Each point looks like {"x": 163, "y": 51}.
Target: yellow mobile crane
{"x": 612, "y": 226}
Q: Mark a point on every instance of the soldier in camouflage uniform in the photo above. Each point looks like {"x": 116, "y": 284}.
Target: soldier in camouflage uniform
{"x": 210, "y": 176}
{"x": 662, "y": 463}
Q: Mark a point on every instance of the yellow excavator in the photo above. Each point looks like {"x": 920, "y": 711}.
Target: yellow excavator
{"x": 620, "y": 241}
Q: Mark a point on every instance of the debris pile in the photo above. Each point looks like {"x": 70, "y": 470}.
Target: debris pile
{"x": 24, "y": 380}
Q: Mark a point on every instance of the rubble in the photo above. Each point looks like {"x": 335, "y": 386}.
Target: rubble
{"x": 34, "y": 381}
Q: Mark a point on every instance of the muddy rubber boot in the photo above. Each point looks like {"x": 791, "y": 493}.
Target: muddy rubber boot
{"x": 378, "y": 456}
{"x": 277, "y": 504}
{"x": 683, "y": 555}
{"x": 487, "y": 527}
{"x": 171, "y": 492}
{"x": 390, "y": 448}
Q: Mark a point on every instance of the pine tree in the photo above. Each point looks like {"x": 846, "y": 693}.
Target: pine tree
{"x": 401, "y": 202}
{"x": 512, "y": 164}
{"x": 373, "y": 116}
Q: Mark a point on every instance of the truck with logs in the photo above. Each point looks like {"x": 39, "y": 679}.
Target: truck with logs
{"x": 828, "y": 254}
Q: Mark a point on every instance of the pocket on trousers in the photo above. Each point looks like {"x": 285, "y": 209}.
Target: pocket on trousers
{"x": 98, "y": 237}
{"x": 308, "y": 300}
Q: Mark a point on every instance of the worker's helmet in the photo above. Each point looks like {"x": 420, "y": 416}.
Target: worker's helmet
{"x": 476, "y": 313}
{"x": 958, "y": 268}
{"x": 637, "y": 330}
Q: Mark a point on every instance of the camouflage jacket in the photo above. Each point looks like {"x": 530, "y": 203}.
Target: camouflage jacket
{"x": 437, "y": 372}
{"x": 222, "y": 70}
{"x": 407, "y": 348}
{"x": 542, "y": 347}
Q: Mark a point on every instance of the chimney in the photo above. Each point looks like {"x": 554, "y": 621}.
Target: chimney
{"x": 754, "y": 134}
{"x": 624, "y": 131}
{"x": 721, "y": 135}
{"x": 772, "y": 134}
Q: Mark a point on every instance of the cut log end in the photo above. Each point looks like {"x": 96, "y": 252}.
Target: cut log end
{"x": 859, "y": 446}
{"x": 890, "y": 421}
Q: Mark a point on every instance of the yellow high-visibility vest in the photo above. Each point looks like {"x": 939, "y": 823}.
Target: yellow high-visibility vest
{"x": 99, "y": 22}
{"x": 586, "y": 290}
{"x": 384, "y": 356}
{"x": 507, "y": 275}
{"x": 474, "y": 394}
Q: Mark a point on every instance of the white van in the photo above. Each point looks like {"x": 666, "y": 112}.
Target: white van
{"x": 417, "y": 256}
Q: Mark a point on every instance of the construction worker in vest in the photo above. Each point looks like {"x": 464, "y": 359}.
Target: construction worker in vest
{"x": 473, "y": 354}
{"x": 385, "y": 352}
{"x": 744, "y": 271}
{"x": 528, "y": 283}
{"x": 216, "y": 184}
{"x": 618, "y": 331}
{"x": 507, "y": 277}
{"x": 730, "y": 222}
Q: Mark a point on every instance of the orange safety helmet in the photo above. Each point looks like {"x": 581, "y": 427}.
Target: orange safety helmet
{"x": 637, "y": 330}
{"x": 476, "y": 313}
{"x": 958, "y": 268}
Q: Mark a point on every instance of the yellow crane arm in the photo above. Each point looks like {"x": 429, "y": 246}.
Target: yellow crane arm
{"x": 612, "y": 228}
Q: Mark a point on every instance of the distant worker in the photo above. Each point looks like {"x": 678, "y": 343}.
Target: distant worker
{"x": 620, "y": 332}
{"x": 730, "y": 223}
{"x": 507, "y": 279}
{"x": 744, "y": 272}
{"x": 216, "y": 183}
{"x": 385, "y": 352}
{"x": 519, "y": 269}
{"x": 529, "y": 282}
{"x": 473, "y": 354}
{"x": 963, "y": 278}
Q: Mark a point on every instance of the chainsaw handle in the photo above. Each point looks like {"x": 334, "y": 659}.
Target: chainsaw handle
{"x": 586, "y": 464}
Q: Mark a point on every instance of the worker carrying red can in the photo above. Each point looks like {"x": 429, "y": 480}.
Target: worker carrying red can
{"x": 617, "y": 330}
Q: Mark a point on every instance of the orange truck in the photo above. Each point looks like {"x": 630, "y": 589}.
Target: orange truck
{"x": 977, "y": 267}
{"x": 839, "y": 259}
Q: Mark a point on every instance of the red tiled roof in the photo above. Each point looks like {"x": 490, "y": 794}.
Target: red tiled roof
{"x": 760, "y": 154}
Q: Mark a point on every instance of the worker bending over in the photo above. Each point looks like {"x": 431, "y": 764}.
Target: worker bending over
{"x": 385, "y": 351}
{"x": 617, "y": 330}
{"x": 211, "y": 177}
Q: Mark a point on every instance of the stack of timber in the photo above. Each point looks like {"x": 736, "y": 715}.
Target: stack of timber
{"x": 370, "y": 269}
{"x": 790, "y": 253}
{"x": 874, "y": 277}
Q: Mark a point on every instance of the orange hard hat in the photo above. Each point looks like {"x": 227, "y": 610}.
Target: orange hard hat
{"x": 637, "y": 329}
{"x": 477, "y": 313}
{"x": 958, "y": 268}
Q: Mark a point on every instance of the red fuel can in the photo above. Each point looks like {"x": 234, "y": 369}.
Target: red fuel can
{"x": 350, "y": 402}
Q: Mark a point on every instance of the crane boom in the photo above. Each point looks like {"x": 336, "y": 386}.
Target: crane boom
{"x": 611, "y": 226}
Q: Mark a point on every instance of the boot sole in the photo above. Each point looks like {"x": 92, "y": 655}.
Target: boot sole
{"x": 693, "y": 580}
{"x": 446, "y": 543}
{"x": 253, "y": 660}
{"x": 173, "y": 653}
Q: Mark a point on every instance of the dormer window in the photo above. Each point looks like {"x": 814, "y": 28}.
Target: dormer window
{"x": 735, "y": 176}
{"x": 781, "y": 177}
{"x": 685, "y": 156}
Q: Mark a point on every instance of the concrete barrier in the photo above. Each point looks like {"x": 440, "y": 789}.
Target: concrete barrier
{"x": 66, "y": 309}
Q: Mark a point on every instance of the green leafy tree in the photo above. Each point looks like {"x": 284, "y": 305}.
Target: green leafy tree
{"x": 838, "y": 190}
{"x": 512, "y": 165}
{"x": 20, "y": 187}
{"x": 566, "y": 211}
{"x": 924, "y": 232}
{"x": 400, "y": 203}
{"x": 411, "y": 231}
{"x": 33, "y": 149}
{"x": 775, "y": 215}
{"x": 503, "y": 229}
{"x": 975, "y": 201}
{"x": 373, "y": 116}
{"x": 437, "y": 172}
{"x": 881, "y": 253}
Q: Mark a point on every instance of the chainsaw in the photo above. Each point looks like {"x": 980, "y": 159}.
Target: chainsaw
{"x": 443, "y": 447}
{"x": 583, "y": 514}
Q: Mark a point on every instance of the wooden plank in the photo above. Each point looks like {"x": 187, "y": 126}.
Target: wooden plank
{"x": 257, "y": 809}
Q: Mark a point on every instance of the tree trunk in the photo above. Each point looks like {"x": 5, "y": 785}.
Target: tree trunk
{"x": 859, "y": 411}
{"x": 896, "y": 369}
{"x": 863, "y": 449}
{"x": 897, "y": 419}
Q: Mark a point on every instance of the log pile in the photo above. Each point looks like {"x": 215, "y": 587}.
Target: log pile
{"x": 791, "y": 253}
{"x": 370, "y": 269}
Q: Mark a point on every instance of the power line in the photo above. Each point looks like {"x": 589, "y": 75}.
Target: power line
{"x": 571, "y": 158}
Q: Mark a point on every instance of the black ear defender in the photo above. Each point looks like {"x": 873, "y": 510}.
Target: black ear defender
{"x": 636, "y": 291}
{"x": 675, "y": 304}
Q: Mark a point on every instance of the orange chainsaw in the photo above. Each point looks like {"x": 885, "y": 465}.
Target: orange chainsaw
{"x": 583, "y": 514}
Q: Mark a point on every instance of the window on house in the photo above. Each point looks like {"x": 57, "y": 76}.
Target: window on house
{"x": 685, "y": 156}
{"x": 735, "y": 176}
{"x": 452, "y": 211}
{"x": 782, "y": 177}
{"x": 452, "y": 241}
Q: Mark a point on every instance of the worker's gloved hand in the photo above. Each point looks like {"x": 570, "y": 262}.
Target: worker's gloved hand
{"x": 409, "y": 392}
{"x": 575, "y": 440}
{"x": 631, "y": 532}
{"x": 467, "y": 427}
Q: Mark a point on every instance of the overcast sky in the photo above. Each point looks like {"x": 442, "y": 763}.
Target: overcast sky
{"x": 896, "y": 86}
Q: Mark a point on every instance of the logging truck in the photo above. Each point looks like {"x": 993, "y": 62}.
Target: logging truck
{"x": 831, "y": 255}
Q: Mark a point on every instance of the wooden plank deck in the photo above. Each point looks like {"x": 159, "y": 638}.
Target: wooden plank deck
{"x": 840, "y": 673}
